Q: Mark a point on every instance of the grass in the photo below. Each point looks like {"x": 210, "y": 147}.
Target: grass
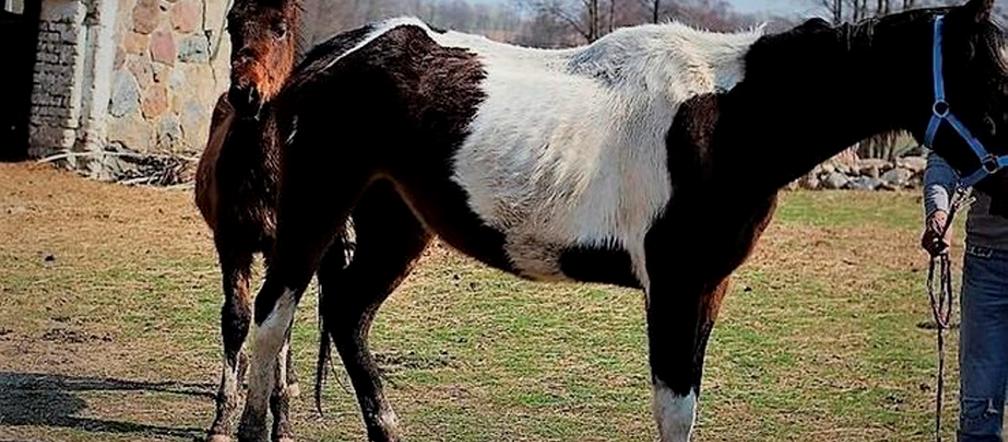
{"x": 109, "y": 301}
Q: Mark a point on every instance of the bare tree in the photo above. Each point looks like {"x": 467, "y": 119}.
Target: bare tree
{"x": 584, "y": 17}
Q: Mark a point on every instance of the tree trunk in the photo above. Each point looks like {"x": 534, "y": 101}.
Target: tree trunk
{"x": 612, "y": 14}
{"x": 594, "y": 17}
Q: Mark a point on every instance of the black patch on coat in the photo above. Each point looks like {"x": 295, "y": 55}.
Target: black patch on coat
{"x": 602, "y": 265}
{"x": 323, "y": 53}
{"x": 813, "y": 90}
{"x": 807, "y": 94}
{"x": 397, "y": 108}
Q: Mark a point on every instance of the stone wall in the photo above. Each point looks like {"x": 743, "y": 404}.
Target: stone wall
{"x": 865, "y": 174}
{"x": 59, "y": 67}
{"x": 136, "y": 74}
{"x": 170, "y": 65}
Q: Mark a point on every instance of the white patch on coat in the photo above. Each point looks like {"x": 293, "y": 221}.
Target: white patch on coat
{"x": 270, "y": 339}
{"x": 568, "y": 148}
{"x": 378, "y": 30}
{"x": 673, "y": 413}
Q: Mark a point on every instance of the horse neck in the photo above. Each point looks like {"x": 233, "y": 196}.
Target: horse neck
{"x": 826, "y": 95}
{"x": 254, "y": 143}
{"x": 297, "y": 26}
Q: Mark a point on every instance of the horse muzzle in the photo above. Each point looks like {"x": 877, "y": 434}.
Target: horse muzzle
{"x": 247, "y": 100}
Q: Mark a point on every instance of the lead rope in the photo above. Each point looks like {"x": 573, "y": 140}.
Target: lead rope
{"x": 941, "y": 298}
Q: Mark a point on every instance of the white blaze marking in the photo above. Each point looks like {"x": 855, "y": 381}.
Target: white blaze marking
{"x": 674, "y": 414}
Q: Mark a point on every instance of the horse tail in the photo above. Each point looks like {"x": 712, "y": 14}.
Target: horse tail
{"x": 324, "y": 355}
{"x": 347, "y": 241}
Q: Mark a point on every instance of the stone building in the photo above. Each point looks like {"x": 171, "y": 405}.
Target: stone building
{"x": 140, "y": 75}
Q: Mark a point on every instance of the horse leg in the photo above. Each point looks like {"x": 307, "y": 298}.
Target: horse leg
{"x": 305, "y": 228}
{"x": 680, "y": 316}
{"x": 291, "y": 380}
{"x": 236, "y": 314}
{"x": 389, "y": 241}
{"x": 342, "y": 248}
{"x": 281, "y": 395}
{"x": 285, "y": 385}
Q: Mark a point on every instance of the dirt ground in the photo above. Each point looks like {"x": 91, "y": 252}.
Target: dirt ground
{"x": 109, "y": 301}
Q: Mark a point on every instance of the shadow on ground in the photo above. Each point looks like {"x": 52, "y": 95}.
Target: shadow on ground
{"x": 36, "y": 399}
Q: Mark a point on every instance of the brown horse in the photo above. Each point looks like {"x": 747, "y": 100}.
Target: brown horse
{"x": 651, "y": 158}
{"x": 236, "y": 188}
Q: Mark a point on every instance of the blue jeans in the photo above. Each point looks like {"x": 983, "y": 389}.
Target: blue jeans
{"x": 983, "y": 344}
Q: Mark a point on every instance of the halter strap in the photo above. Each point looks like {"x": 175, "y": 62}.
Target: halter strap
{"x": 941, "y": 111}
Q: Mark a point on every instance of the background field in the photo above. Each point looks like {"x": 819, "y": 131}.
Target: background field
{"x": 109, "y": 299}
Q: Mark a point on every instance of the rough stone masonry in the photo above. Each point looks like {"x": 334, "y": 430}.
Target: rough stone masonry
{"x": 133, "y": 75}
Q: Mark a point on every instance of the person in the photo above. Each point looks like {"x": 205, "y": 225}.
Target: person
{"x": 983, "y": 332}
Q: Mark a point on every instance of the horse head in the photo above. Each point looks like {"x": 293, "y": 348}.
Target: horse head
{"x": 264, "y": 45}
{"x": 962, "y": 107}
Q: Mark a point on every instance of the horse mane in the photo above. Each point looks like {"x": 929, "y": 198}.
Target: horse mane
{"x": 991, "y": 42}
{"x": 300, "y": 36}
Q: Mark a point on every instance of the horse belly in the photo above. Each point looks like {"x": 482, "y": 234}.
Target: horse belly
{"x": 568, "y": 208}
{"x": 443, "y": 207}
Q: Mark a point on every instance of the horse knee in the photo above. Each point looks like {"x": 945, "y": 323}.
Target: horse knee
{"x": 274, "y": 325}
{"x": 674, "y": 412}
{"x": 274, "y": 319}
{"x": 235, "y": 320}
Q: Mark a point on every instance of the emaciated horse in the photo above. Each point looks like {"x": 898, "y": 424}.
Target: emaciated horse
{"x": 651, "y": 159}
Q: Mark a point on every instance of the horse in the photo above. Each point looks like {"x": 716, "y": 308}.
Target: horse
{"x": 650, "y": 159}
{"x": 236, "y": 190}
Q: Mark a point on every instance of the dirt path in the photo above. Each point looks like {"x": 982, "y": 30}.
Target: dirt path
{"x": 67, "y": 370}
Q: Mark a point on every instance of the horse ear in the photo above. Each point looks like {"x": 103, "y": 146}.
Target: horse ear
{"x": 978, "y": 10}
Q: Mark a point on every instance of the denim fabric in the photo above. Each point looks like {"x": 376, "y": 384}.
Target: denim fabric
{"x": 983, "y": 344}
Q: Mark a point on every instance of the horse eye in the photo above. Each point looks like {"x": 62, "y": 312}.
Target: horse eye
{"x": 280, "y": 30}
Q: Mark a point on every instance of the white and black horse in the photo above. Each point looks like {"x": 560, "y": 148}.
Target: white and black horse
{"x": 650, "y": 159}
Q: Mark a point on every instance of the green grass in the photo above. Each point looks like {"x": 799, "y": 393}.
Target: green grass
{"x": 818, "y": 338}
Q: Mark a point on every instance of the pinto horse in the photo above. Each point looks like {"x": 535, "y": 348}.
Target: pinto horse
{"x": 651, "y": 158}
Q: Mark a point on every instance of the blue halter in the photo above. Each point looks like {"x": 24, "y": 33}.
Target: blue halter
{"x": 989, "y": 164}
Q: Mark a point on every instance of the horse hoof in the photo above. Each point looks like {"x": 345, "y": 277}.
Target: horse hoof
{"x": 219, "y": 438}
{"x": 252, "y": 429}
{"x": 294, "y": 390}
{"x": 242, "y": 437}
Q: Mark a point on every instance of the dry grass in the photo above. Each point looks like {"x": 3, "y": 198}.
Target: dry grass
{"x": 109, "y": 300}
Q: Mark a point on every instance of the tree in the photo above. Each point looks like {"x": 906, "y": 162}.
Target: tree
{"x": 583, "y": 17}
